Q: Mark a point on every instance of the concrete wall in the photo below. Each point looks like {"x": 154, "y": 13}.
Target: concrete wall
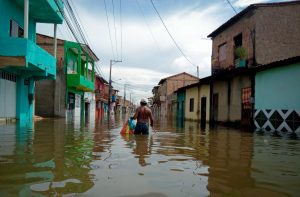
{"x": 53, "y": 92}
{"x": 220, "y": 87}
{"x": 44, "y": 98}
{"x": 229, "y": 109}
{"x": 11, "y": 10}
{"x": 192, "y": 93}
{"x": 237, "y": 84}
{"x": 278, "y": 88}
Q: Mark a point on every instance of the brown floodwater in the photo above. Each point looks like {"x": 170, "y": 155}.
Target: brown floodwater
{"x": 57, "y": 157}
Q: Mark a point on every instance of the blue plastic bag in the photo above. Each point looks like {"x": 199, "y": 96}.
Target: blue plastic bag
{"x": 131, "y": 123}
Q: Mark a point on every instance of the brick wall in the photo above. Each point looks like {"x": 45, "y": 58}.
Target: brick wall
{"x": 277, "y": 33}
{"x": 244, "y": 26}
{"x": 47, "y": 42}
{"x": 172, "y": 84}
{"x": 276, "y": 36}
{"x": 50, "y": 95}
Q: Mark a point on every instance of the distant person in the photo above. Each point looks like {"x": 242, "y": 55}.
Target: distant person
{"x": 143, "y": 114}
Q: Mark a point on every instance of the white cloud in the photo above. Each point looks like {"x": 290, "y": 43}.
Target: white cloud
{"x": 148, "y": 59}
{"x": 244, "y": 3}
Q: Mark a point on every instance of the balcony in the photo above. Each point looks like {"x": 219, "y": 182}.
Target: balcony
{"x": 26, "y": 55}
{"x": 45, "y": 11}
{"x": 80, "y": 83}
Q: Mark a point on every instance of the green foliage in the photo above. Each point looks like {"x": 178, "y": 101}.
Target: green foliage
{"x": 240, "y": 53}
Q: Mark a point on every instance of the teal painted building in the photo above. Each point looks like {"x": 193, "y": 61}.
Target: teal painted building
{"x": 22, "y": 61}
{"x": 180, "y": 104}
{"x": 277, "y": 96}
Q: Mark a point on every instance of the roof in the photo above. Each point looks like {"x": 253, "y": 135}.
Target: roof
{"x": 251, "y": 7}
{"x": 203, "y": 81}
{"x": 84, "y": 47}
{"x": 276, "y": 64}
{"x": 164, "y": 79}
{"x": 102, "y": 79}
{"x": 89, "y": 51}
{"x": 252, "y": 70}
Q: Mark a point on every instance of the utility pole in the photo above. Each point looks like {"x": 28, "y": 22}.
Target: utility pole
{"x": 198, "y": 71}
{"x": 124, "y": 98}
{"x": 112, "y": 62}
{"x": 130, "y": 105}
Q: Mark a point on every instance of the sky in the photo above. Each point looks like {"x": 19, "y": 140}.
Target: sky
{"x": 139, "y": 39}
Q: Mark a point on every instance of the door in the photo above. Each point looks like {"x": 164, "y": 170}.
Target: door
{"x": 8, "y": 94}
{"x": 203, "y": 110}
{"x": 215, "y": 107}
{"x": 246, "y": 106}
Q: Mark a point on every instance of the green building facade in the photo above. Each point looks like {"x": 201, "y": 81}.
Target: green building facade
{"x": 79, "y": 65}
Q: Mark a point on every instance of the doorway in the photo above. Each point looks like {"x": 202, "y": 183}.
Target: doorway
{"x": 203, "y": 110}
{"x": 215, "y": 107}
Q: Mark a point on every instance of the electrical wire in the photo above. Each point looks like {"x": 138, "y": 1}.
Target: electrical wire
{"x": 148, "y": 26}
{"x": 111, "y": 43}
{"x": 231, "y": 6}
{"x": 116, "y": 41}
{"x": 80, "y": 22}
{"x": 75, "y": 21}
{"x": 97, "y": 66}
{"x": 121, "y": 31}
{"x": 77, "y": 32}
{"x": 171, "y": 35}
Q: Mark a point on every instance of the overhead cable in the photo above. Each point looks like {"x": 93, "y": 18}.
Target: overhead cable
{"x": 116, "y": 41}
{"x": 111, "y": 43}
{"x": 148, "y": 26}
{"x": 171, "y": 35}
{"x": 231, "y": 6}
{"x": 121, "y": 31}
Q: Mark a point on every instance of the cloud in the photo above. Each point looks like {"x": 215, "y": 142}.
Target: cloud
{"x": 244, "y": 3}
{"x": 151, "y": 56}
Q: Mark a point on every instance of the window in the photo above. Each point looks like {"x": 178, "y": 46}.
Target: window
{"x": 222, "y": 51}
{"x": 15, "y": 30}
{"x": 238, "y": 40}
{"x": 72, "y": 66}
{"x": 191, "y": 104}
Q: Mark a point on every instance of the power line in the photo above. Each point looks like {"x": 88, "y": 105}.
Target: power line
{"x": 171, "y": 34}
{"x": 231, "y": 6}
{"x": 73, "y": 17}
{"x": 121, "y": 31}
{"x": 97, "y": 67}
{"x": 116, "y": 41}
{"x": 80, "y": 22}
{"x": 69, "y": 24}
{"x": 77, "y": 32}
{"x": 109, "y": 30}
{"x": 148, "y": 26}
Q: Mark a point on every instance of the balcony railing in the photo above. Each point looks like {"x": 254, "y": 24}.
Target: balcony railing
{"x": 20, "y": 52}
{"x": 79, "y": 82}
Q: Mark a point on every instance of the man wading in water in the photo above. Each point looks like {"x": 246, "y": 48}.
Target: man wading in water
{"x": 143, "y": 114}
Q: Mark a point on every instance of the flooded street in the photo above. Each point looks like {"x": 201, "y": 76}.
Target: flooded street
{"x": 55, "y": 157}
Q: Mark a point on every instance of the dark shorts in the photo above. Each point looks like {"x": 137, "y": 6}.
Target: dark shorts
{"x": 141, "y": 128}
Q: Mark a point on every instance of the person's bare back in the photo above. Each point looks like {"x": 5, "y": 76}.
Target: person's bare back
{"x": 143, "y": 114}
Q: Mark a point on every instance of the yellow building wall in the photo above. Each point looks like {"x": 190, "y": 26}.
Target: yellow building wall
{"x": 192, "y": 93}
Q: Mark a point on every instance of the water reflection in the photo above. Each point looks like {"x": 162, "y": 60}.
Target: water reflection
{"x": 45, "y": 160}
{"x": 143, "y": 147}
{"x": 58, "y": 157}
